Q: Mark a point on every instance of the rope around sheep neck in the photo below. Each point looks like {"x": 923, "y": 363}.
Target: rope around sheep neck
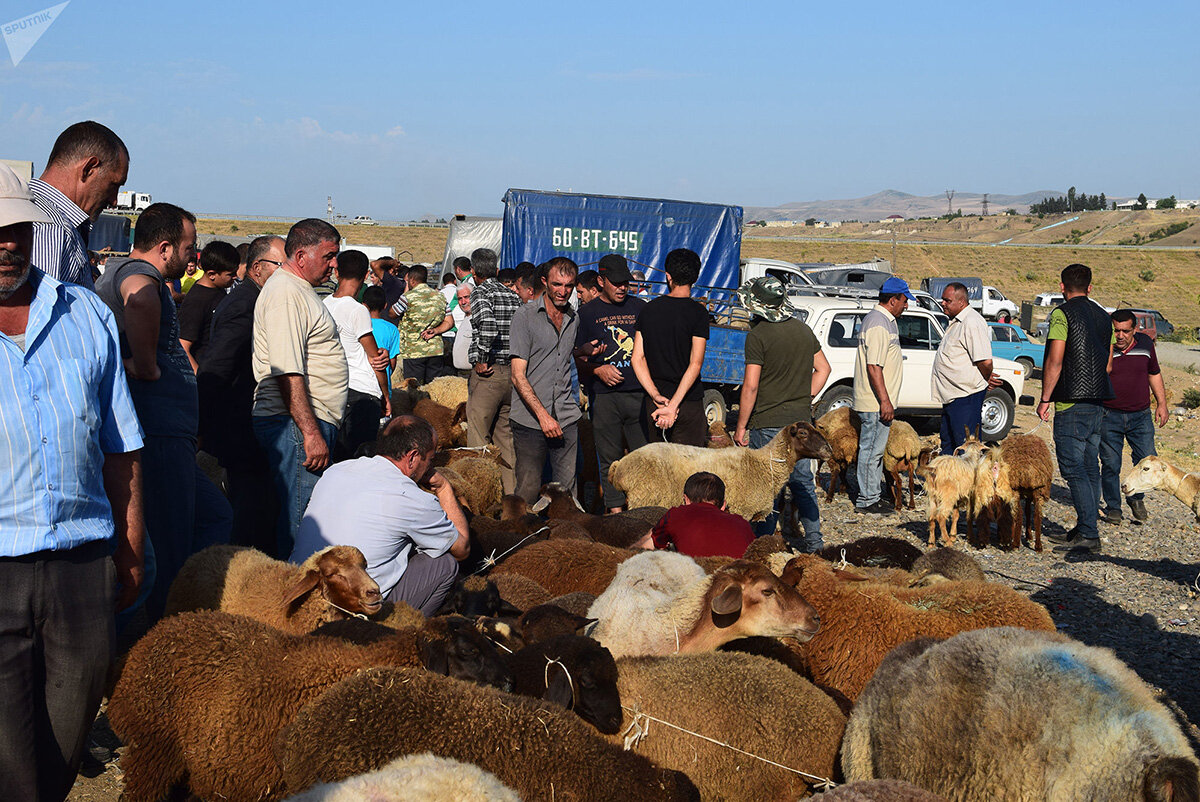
{"x": 638, "y": 730}
{"x": 344, "y": 610}
{"x": 555, "y": 661}
{"x": 489, "y": 562}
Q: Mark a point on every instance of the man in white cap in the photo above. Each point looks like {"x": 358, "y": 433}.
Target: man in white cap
{"x": 70, "y": 509}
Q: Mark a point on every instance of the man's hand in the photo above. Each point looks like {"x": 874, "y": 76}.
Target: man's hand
{"x": 994, "y": 381}
{"x": 887, "y": 412}
{"x": 741, "y": 436}
{"x": 592, "y": 348}
{"x": 550, "y": 427}
{"x": 483, "y": 369}
{"x": 609, "y": 374}
{"x": 428, "y": 334}
{"x": 436, "y": 481}
{"x": 316, "y": 452}
{"x": 1162, "y": 415}
{"x": 131, "y": 371}
{"x": 386, "y": 403}
{"x": 381, "y": 360}
{"x": 665, "y": 416}
{"x": 1043, "y": 410}
{"x": 131, "y": 570}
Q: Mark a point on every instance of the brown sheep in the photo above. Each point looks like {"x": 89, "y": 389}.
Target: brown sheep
{"x": 840, "y": 427}
{"x": 330, "y": 585}
{"x": 449, "y": 456}
{"x": 538, "y": 749}
{"x": 880, "y": 791}
{"x": 1021, "y": 475}
{"x": 446, "y": 422}
{"x": 577, "y": 602}
{"x": 949, "y": 564}
{"x": 519, "y": 591}
{"x": 754, "y": 704}
{"x": 761, "y": 549}
{"x": 904, "y": 452}
{"x": 875, "y": 552}
{"x": 562, "y": 566}
{"x": 1009, "y": 714}
{"x": 718, "y": 437}
{"x": 476, "y": 482}
{"x": 202, "y": 695}
{"x": 863, "y": 620}
{"x": 619, "y": 529}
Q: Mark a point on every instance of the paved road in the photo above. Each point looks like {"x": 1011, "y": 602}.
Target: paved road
{"x": 1178, "y": 355}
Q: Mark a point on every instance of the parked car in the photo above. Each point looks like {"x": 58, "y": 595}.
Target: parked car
{"x": 1009, "y": 342}
{"x": 1152, "y": 322}
{"x": 1048, "y": 299}
{"x": 363, "y": 220}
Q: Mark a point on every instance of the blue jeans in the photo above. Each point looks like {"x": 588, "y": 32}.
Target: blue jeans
{"x": 280, "y": 438}
{"x": 960, "y": 416}
{"x": 804, "y": 498}
{"x": 1138, "y": 429}
{"x": 1077, "y": 443}
{"x": 872, "y": 440}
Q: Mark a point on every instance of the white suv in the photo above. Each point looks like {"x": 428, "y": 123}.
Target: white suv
{"x": 836, "y": 322}
{"x": 363, "y": 220}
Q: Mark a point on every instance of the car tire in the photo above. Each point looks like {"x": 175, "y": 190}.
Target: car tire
{"x": 714, "y": 407}
{"x": 999, "y": 412}
{"x": 835, "y": 397}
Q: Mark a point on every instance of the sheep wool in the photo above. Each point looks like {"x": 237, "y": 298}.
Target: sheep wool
{"x": 476, "y": 483}
{"x": 415, "y": 778}
{"x": 840, "y": 428}
{"x": 745, "y": 701}
{"x": 880, "y": 791}
{"x": 449, "y": 391}
{"x": 519, "y": 591}
{"x": 636, "y": 612}
{"x": 1009, "y": 714}
{"x": 862, "y": 620}
{"x": 539, "y": 750}
{"x": 948, "y": 563}
{"x": 563, "y": 566}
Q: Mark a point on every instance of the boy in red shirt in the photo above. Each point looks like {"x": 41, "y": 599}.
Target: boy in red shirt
{"x": 701, "y": 527}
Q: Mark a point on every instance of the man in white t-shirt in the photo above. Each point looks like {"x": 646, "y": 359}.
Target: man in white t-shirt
{"x": 368, "y": 396}
{"x": 412, "y": 540}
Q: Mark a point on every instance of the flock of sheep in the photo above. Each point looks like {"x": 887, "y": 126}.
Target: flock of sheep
{"x": 570, "y": 666}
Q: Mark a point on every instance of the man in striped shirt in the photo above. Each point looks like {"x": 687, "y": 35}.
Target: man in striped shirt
{"x": 70, "y": 509}
{"x": 87, "y": 165}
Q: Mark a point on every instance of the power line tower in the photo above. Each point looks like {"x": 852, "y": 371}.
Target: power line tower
{"x": 329, "y": 208}
{"x": 949, "y": 200}
{"x": 985, "y": 204}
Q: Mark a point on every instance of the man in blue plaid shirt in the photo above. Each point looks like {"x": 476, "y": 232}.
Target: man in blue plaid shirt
{"x": 489, "y": 388}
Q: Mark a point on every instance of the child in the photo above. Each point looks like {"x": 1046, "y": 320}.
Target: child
{"x": 701, "y": 527}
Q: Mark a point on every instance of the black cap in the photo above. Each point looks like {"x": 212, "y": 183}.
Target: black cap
{"x": 615, "y": 269}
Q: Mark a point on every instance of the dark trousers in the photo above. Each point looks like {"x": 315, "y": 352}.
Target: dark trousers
{"x": 960, "y": 416}
{"x": 426, "y": 582}
{"x": 56, "y": 640}
{"x": 255, "y": 507}
{"x": 1077, "y": 445}
{"x": 360, "y": 425}
{"x": 1116, "y": 428}
{"x": 424, "y": 369}
{"x": 533, "y": 448}
{"x": 616, "y": 416}
{"x": 690, "y": 429}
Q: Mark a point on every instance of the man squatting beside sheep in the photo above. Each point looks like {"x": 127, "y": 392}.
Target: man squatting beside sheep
{"x": 72, "y": 510}
{"x": 784, "y": 370}
{"x": 412, "y": 541}
{"x": 962, "y": 368}
{"x": 877, "y": 378}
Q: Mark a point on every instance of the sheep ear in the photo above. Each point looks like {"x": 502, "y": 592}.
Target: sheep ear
{"x": 1166, "y": 779}
{"x": 581, "y": 622}
{"x": 559, "y": 691}
{"x": 541, "y": 504}
{"x": 306, "y": 585}
{"x": 460, "y": 414}
{"x": 506, "y": 608}
{"x": 434, "y": 657}
{"x": 728, "y": 601}
{"x": 792, "y": 573}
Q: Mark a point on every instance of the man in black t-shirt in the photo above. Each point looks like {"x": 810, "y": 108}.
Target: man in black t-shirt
{"x": 607, "y": 325}
{"x": 668, "y": 350}
{"x": 219, "y": 261}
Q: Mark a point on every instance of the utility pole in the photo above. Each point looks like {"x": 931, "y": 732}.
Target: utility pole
{"x": 985, "y": 204}
{"x": 329, "y": 208}
{"x": 949, "y": 200}
{"x": 893, "y": 250}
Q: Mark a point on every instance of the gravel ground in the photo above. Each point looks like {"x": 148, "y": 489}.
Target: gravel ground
{"x": 1139, "y": 597}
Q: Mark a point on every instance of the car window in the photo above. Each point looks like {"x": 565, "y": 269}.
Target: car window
{"x": 843, "y": 331}
{"x": 915, "y": 332}
{"x": 1000, "y": 334}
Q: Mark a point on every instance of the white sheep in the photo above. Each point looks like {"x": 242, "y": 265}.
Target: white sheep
{"x": 638, "y": 602}
{"x": 415, "y": 778}
{"x": 1155, "y": 473}
{"x": 654, "y": 475}
{"x": 449, "y": 391}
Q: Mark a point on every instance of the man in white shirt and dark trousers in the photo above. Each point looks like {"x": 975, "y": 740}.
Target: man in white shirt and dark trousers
{"x": 962, "y": 368}
{"x": 412, "y": 540}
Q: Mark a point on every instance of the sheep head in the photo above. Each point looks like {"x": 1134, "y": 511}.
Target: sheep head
{"x": 1151, "y": 473}
{"x": 340, "y": 572}
{"x": 744, "y": 599}
{"x": 583, "y": 677}
{"x": 451, "y": 646}
{"x": 476, "y": 596}
{"x": 807, "y": 442}
{"x": 557, "y": 502}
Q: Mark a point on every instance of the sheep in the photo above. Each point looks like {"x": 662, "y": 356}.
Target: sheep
{"x": 405, "y": 396}
{"x": 1013, "y": 482}
{"x": 415, "y": 778}
{"x": 740, "y": 600}
{"x": 651, "y": 514}
{"x": 539, "y": 750}
{"x": 1007, "y": 713}
{"x": 874, "y": 551}
{"x": 904, "y": 451}
{"x": 578, "y": 602}
{"x": 399, "y": 615}
{"x": 473, "y": 596}
{"x": 447, "y": 422}
{"x": 1155, "y": 473}
{"x": 203, "y": 694}
{"x": 449, "y": 391}
{"x": 546, "y": 621}
{"x": 519, "y": 591}
{"x": 761, "y": 548}
{"x": 330, "y": 585}
{"x": 449, "y": 456}
{"x": 718, "y": 436}
{"x": 950, "y": 564}
{"x": 750, "y": 703}
{"x": 619, "y": 529}
{"x": 862, "y": 620}
{"x": 573, "y": 672}
{"x": 476, "y": 482}
{"x": 840, "y": 428}
{"x": 655, "y": 473}
{"x": 950, "y": 483}
{"x": 880, "y": 791}
{"x": 562, "y": 566}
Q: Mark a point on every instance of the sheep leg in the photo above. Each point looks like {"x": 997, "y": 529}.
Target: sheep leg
{"x": 1037, "y": 523}
{"x": 912, "y": 498}
{"x": 949, "y": 538}
{"x": 934, "y": 520}
{"x": 897, "y": 489}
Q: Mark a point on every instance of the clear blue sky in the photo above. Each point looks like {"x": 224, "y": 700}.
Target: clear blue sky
{"x": 405, "y": 109}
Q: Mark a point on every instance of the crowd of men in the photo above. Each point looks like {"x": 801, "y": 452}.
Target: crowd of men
{"x": 263, "y": 358}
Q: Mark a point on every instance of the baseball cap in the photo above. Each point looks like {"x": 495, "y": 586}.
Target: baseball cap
{"x": 897, "y": 286}
{"x": 615, "y": 269}
{"x": 16, "y": 204}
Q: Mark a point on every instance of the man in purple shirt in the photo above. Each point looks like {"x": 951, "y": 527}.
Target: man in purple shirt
{"x": 1135, "y": 373}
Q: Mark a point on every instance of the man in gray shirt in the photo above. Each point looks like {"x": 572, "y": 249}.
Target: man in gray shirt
{"x": 545, "y": 410}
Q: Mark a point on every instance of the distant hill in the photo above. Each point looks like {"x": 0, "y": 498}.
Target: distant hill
{"x": 890, "y": 201}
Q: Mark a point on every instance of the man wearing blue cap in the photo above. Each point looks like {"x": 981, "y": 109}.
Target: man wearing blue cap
{"x": 877, "y": 376}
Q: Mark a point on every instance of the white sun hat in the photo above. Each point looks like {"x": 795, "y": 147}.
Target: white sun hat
{"x": 16, "y": 204}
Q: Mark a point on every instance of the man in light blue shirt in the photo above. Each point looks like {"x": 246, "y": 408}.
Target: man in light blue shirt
{"x": 70, "y": 509}
{"x": 412, "y": 540}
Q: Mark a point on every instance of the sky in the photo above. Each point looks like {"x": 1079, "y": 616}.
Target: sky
{"x": 400, "y": 110}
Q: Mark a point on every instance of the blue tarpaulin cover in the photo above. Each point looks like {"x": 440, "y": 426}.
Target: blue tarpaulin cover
{"x": 541, "y": 225}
